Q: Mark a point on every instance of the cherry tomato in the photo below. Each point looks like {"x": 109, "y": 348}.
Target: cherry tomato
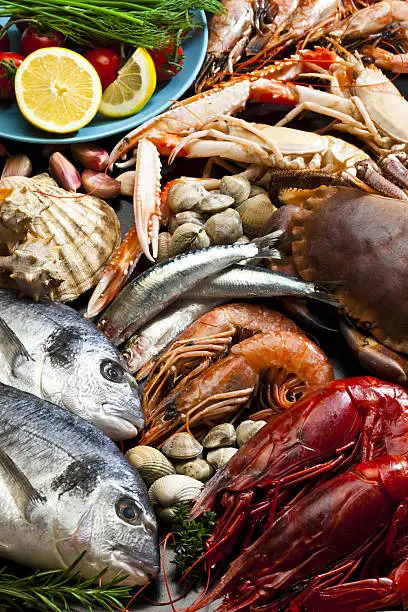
{"x": 22, "y": 25}
{"x": 9, "y": 62}
{"x": 168, "y": 62}
{"x": 33, "y": 39}
{"x": 5, "y": 43}
{"x": 106, "y": 63}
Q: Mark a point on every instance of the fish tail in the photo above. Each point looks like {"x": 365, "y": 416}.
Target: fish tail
{"x": 269, "y": 245}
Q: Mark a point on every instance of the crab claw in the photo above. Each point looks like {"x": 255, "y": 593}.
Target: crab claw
{"x": 146, "y": 197}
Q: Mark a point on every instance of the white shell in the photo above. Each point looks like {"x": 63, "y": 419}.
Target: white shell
{"x": 150, "y": 463}
{"x": 220, "y": 456}
{"x": 220, "y": 435}
{"x": 236, "y": 186}
{"x": 247, "y": 429}
{"x": 197, "y": 468}
{"x": 174, "y": 489}
{"x": 224, "y": 227}
{"x": 182, "y": 446}
{"x": 184, "y": 196}
{"x": 165, "y": 515}
{"x": 214, "y": 203}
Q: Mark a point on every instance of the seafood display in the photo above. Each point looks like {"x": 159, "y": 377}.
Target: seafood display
{"x": 49, "y": 350}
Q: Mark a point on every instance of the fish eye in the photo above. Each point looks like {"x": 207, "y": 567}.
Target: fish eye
{"x": 112, "y": 371}
{"x": 128, "y": 511}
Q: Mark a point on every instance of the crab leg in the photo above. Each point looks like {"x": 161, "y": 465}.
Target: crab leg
{"x": 146, "y": 197}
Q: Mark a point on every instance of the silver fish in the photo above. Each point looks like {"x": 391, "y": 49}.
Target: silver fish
{"x": 66, "y": 488}
{"x": 50, "y": 350}
{"x": 150, "y": 339}
{"x": 253, "y": 282}
{"x": 159, "y": 286}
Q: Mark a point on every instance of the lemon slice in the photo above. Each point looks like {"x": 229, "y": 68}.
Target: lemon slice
{"x": 57, "y": 90}
{"x": 133, "y": 87}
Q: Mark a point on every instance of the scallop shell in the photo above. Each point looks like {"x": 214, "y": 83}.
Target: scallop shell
{"x": 256, "y": 214}
{"x": 58, "y": 246}
{"x": 184, "y": 196}
{"x": 182, "y": 446}
{"x": 220, "y": 435}
{"x": 189, "y": 237}
{"x": 164, "y": 246}
{"x": 247, "y": 429}
{"x": 150, "y": 463}
{"x": 174, "y": 489}
{"x": 214, "y": 203}
{"x": 220, "y": 456}
{"x": 197, "y": 468}
{"x": 224, "y": 228}
{"x": 236, "y": 186}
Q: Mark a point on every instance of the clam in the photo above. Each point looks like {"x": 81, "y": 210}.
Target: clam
{"x": 256, "y": 214}
{"x": 187, "y": 216}
{"x": 58, "y": 244}
{"x": 174, "y": 489}
{"x": 150, "y": 463}
{"x": 214, "y": 203}
{"x": 224, "y": 228}
{"x": 236, "y": 186}
{"x": 256, "y": 190}
{"x": 197, "y": 468}
{"x": 189, "y": 237}
{"x": 166, "y": 515}
{"x": 164, "y": 246}
{"x": 220, "y": 456}
{"x": 247, "y": 429}
{"x": 182, "y": 445}
{"x": 243, "y": 240}
{"x": 184, "y": 196}
{"x": 220, "y": 435}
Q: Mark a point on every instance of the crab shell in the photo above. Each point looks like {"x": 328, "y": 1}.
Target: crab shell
{"x": 55, "y": 243}
{"x": 361, "y": 240}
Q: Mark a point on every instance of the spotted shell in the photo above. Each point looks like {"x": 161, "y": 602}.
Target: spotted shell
{"x": 247, "y": 429}
{"x": 164, "y": 246}
{"x": 58, "y": 244}
{"x": 174, "y": 489}
{"x": 220, "y": 456}
{"x": 150, "y": 463}
{"x": 184, "y": 196}
{"x": 220, "y": 435}
{"x": 256, "y": 214}
{"x": 197, "y": 468}
{"x": 224, "y": 228}
{"x": 182, "y": 445}
{"x": 189, "y": 237}
{"x": 236, "y": 186}
{"x": 214, "y": 203}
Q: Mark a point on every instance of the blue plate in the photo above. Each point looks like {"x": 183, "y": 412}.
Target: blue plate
{"x": 14, "y": 126}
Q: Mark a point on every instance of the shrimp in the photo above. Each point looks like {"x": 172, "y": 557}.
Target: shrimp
{"x": 208, "y": 339}
{"x": 280, "y": 367}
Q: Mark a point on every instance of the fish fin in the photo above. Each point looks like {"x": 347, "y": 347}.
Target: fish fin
{"x": 268, "y": 246}
{"x": 322, "y": 293}
{"x": 25, "y": 495}
{"x": 12, "y": 347}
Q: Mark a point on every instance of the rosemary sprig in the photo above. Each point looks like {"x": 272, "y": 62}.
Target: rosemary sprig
{"x": 56, "y": 590}
{"x": 190, "y": 537}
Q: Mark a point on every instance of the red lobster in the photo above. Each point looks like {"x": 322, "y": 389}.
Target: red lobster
{"x": 345, "y": 422}
{"x": 332, "y": 532}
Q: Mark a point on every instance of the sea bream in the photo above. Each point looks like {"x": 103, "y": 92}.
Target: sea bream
{"x": 50, "y": 350}
{"x": 66, "y": 488}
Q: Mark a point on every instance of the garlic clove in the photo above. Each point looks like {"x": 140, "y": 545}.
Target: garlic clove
{"x": 64, "y": 172}
{"x": 17, "y": 165}
{"x": 100, "y": 185}
{"x": 91, "y": 156}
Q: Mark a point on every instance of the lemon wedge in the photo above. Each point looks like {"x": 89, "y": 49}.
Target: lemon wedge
{"x": 133, "y": 87}
{"x": 57, "y": 90}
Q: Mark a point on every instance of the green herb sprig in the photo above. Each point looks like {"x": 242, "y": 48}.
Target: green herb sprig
{"x": 57, "y": 590}
{"x": 190, "y": 537}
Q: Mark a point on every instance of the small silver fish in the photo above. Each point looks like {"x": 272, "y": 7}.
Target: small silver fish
{"x": 150, "y": 339}
{"x": 253, "y": 282}
{"x": 148, "y": 294}
{"x": 66, "y": 488}
{"x": 50, "y": 350}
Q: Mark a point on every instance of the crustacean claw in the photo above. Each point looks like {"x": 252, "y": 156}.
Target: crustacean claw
{"x": 146, "y": 197}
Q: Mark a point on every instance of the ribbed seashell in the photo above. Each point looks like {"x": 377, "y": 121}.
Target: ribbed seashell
{"x": 247, "y": 429}
{"x": 224, "y": 228}
{"x": 187, "y": 216}
{"x": 150, "y": 463}
{"x": 165, "y": 515}
{"x": 220, "y": 435}
{"x": 174, "y": 489}
{"x": 256, "y": 214}
{"x": 164, "y": 246}
{"x": 214, "y": 203}
{"x": 59, "y": 244}
{"x": 220, "y": 456}
{"x": 184, "y": 196}
{"x": 236, "y": 186}
{"x": 182, "y": 445}
{"x": 256, "y": 190}
{"x": 189, "y": 237}
{"x": 197, "y": 468}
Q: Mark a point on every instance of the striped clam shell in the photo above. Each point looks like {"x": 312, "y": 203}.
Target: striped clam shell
{"x": 76, "y": 236}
